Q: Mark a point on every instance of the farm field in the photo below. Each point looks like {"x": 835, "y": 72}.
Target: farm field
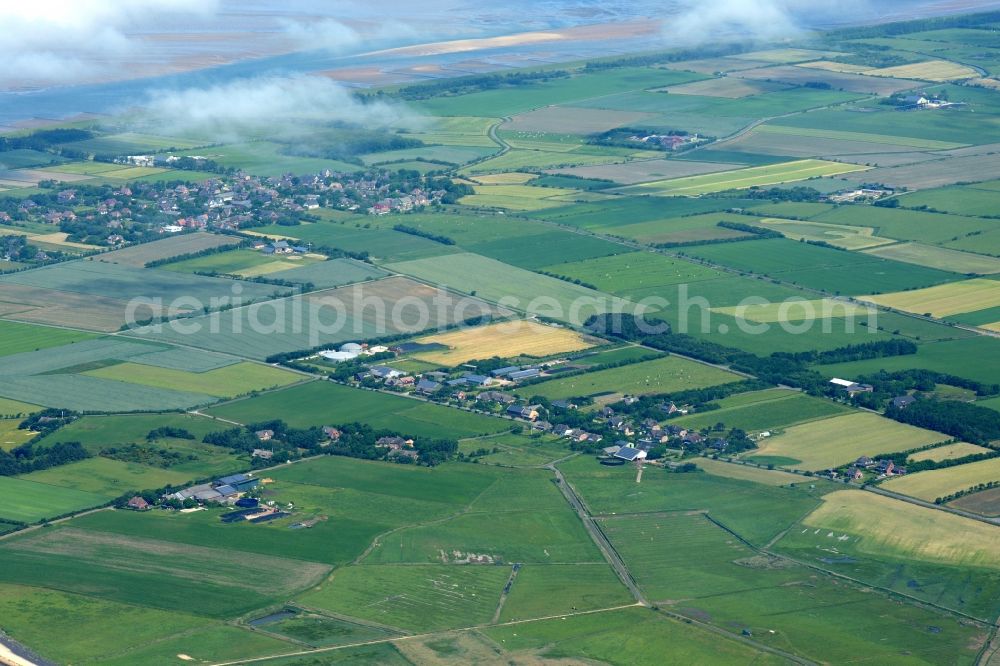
{"x": 109, "y": 478}
{"x": 218, "y": 587}
{"x": 823, "y": 268}
{"x": 514, "y": 197}
{"x": 799, "y": 310}
{"x": 768, "y": 410}
{"x": 838, "y": 235}
{"x": 705, "y": 570}
{"x": 596, "y": 638}
{"x": 974, "y": 358}
{"x": 938, "y": 257}
{"x": 383, "y": 244}
{"x": 635, "y": 275}
{"x": 421, "y": 597}
{"x": 730, "y": 87}
{"x": 641, "y": 171}
{"x": 756, "y": 511}
{"x": 546, "y": 590}
{"x": 140, "y": 255}
{"x": 984, "y": 502}
{"x": 28, "y": 501}
{"x": 769, "y": 477}
{"x": 374, "y": 309}
{"x": 552, "y": 536}
{"x": 326, "y": 403}
{"x": 227, "y": 382}
{"x": 944, "y": 300}
{"x": 83, "y": 622}
{"x": 839, "y": 80}
{"x": 948, "y": 452}
{"x": 935, "y": 483}
{"x": 235, "y": 262}
{"x": 761, "y": 176}
{"x": 18, "y": 338}
{"x": 506, "y": 340}
{"x": 662, "y": 375}
{"x": 510, "y": 287}
{"x": 930, "y": 70}
{"x": 840, "y": 440}
{"x": 939, "y": 557}
{"x": 14, "y": 408}
{"x": 572, "y": 120}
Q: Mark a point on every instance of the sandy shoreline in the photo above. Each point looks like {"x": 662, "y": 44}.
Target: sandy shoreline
{"x": 8, "y": 657}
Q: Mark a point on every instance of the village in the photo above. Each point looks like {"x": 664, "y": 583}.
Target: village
{"x": 110, "y": 216}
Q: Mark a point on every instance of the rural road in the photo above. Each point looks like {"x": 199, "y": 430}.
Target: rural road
{"x": 609, "y": 552}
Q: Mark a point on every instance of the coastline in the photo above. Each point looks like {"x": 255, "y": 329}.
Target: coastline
{"x": 13, "y": 653}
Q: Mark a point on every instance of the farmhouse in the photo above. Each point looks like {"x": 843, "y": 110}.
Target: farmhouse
{"x": 263, "y": 454}
{"x": 427, "y": 387}
{"x": 264, "y": 435}
{"x": 138, "y": 503}
{"x": 496, "y": 396}
{"x": 903, "y": 401}
{"x": 529, "y": 412}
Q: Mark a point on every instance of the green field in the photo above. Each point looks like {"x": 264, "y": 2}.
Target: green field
{"x": 833, "y": 271}
{"x": 419, "y": 597}
{"x": 546, "y": 590}
{"x": 761, "y": 176}
{"x": 366, "y": 310}
{"x": 975, "y": 358}
{"x": 213, "y": 582}
{"x": 226, "y": 382}
{"x": 90, "y": 629}
{"x": 763, "y": 410}
{"x": 17, "y": 338}
{"x": 755, "y": 511}
{"x": 325, "y": 403}
{"x": 510, "y": 287}
{"x": 664, "y": 375}
{"x": 27, "y": 501}
{"x": 840, "y": 440}
{"x": 938, "y": 257}
{"x": 109, "y": 478}
{"x": 932, "y": 555}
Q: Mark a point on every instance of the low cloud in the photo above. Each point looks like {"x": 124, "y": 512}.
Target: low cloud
{"x": 338, "y": 37}
{"x": 276, "y": 107}
{"x": 702, "y": 21}
{"x": 47, "y": 42}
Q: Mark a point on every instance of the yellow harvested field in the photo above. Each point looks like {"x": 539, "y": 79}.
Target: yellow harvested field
{"x": 506, "y": 340}
{"x": 995, "y": 326}
{"x": 993, "y": 84}
{"x": 945, "y": 299}
{"x": 767, "y": 477}
{"x": 836, "y": 441}
{"x": 59, "y": 238}
{"x": 797, "y": 310}
{"x": 882, "y": 523}
{"x": 512, "y": 178}
{"x": 948, "y": 452}
{"x": 936, "y": 483}
{"x": 931, "y": 70}
{"x": 268, "y": 268}
{"x": 833, "y": 66}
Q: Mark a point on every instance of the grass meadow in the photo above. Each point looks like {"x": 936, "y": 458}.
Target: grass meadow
{"x": 326, "y": 403}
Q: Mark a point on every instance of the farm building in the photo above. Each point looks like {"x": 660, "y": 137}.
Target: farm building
{"x": 630, "y": 454}
{"x": 238, "y": 482}
{"x": 138, "y": 503}
{"x": 529, "y": 412}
